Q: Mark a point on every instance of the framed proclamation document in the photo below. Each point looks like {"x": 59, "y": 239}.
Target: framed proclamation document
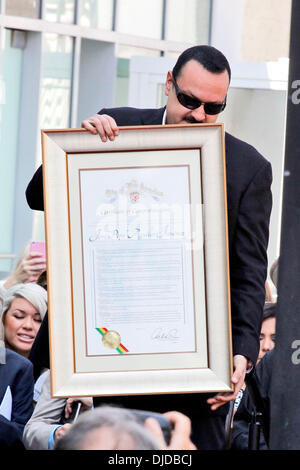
{"x": 137, "y": 261}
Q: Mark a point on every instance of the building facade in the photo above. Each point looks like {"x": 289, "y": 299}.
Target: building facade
{"x": 63, "y": 60}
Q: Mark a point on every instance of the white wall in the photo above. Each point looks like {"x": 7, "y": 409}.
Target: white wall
{"x": 258, "y": 117}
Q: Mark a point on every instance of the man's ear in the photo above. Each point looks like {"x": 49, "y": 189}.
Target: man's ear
{"x": 169, "y": 83}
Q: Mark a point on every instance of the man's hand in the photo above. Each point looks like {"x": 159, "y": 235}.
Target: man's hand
{"x": 180, "y": 438}
{"x": 103, "y": 125}
{"x": 61, "y": 431}
{"x": 240, "y": 367}
{"x": 87, "y": 403}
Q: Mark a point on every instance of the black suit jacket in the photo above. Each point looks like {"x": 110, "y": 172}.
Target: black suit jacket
{"x": 17, "y": 373}
{"x": 243, "y": 417}
{"x": 249, "y": 178}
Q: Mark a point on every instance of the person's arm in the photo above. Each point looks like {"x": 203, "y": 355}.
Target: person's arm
{"x": 248, "y": 271}
{"x": 56, "y": 433}
{"x": 242, "y": 419}
{"x": 240, "y": 364}
{"x": 10, "y": 437}
{"x": 248, "y": 263}
{"x": 22, "y": 396}
{"x": 44, "y": 420}
{"x": 29, "y": 270}
{"x": 59, "y": 430}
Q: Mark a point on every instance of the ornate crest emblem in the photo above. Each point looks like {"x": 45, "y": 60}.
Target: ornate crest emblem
{"x": 134, "y": 197}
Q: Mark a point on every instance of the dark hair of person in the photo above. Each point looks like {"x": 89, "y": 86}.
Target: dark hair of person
{"x": 269, "y": 310}
{"x": 209, "y": 57}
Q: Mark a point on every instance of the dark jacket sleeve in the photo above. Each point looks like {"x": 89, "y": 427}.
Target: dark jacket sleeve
{"x": 10, "y": 437}
{"x": 17, "y": 374}
{"x": 248, "y": 262}
{"x": 34, "y": 191}
{"x": 263, "y": 377}
{"x": 22, "y": 392}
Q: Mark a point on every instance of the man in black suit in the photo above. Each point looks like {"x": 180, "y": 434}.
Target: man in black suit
{"x": 197, "y": 90}
{"x": 16, "y": 391}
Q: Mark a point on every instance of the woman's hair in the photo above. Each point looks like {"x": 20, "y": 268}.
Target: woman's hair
{"x": 32, "y": 292}
{"x": 269, "y": 310}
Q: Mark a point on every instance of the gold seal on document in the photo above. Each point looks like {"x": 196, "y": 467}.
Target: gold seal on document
{"x": 111, "y": 339}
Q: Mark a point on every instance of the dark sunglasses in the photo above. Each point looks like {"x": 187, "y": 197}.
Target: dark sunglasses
{"x": 192, "y": 103}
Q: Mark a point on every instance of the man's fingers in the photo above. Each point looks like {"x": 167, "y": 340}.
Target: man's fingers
{"x": 68, "y": 408}
{"x": 154, "y": 427}
{"x": 220, "y": 400}
{"x": 217, "y": 405}
{"x": 89, "y": 126}
{"x": 107, "y": 127}
{"x": 113, "y": 124}
{"x": 103, "y": 125}
{"x": 237, "y": 379}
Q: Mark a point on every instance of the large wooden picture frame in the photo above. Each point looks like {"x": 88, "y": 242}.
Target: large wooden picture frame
{"x": 143, "y": 309}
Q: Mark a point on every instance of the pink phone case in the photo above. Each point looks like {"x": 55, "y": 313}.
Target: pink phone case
{"x": 39, "y": 247}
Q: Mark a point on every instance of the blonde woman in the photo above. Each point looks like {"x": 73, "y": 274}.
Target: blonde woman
{"x": 16, "y": 395}
{"x": 24, "y": 307}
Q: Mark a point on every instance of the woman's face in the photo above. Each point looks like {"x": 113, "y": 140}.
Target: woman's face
{"x": 21, "y": 324}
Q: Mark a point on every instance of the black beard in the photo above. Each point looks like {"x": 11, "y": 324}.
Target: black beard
{"x": 192, "y": 120}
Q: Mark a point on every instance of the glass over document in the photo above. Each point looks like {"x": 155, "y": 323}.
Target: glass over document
{"x": 137, "y": 249}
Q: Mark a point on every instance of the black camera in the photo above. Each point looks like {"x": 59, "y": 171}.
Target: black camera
{"x": 165, "y": 425}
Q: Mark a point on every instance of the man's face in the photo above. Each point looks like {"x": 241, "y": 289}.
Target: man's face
{"x": 197, "y": 82}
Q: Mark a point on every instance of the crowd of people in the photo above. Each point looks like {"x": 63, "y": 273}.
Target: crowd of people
{"x": 31, "y": 418}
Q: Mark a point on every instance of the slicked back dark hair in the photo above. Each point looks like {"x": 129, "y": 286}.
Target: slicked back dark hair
{"x": 209, "y": 57}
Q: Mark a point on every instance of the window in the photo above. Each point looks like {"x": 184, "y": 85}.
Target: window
{"x": 141, "y": 18}
{"x": 56, "y": 81}
{"x": 96, "y": 14}
{"x": 27, "y": 8}
{"x": 59, "y": 11}
{"x": 188, "y": 21}
{"x": 9, "y": 109}
{"x": 124, "y": 53}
